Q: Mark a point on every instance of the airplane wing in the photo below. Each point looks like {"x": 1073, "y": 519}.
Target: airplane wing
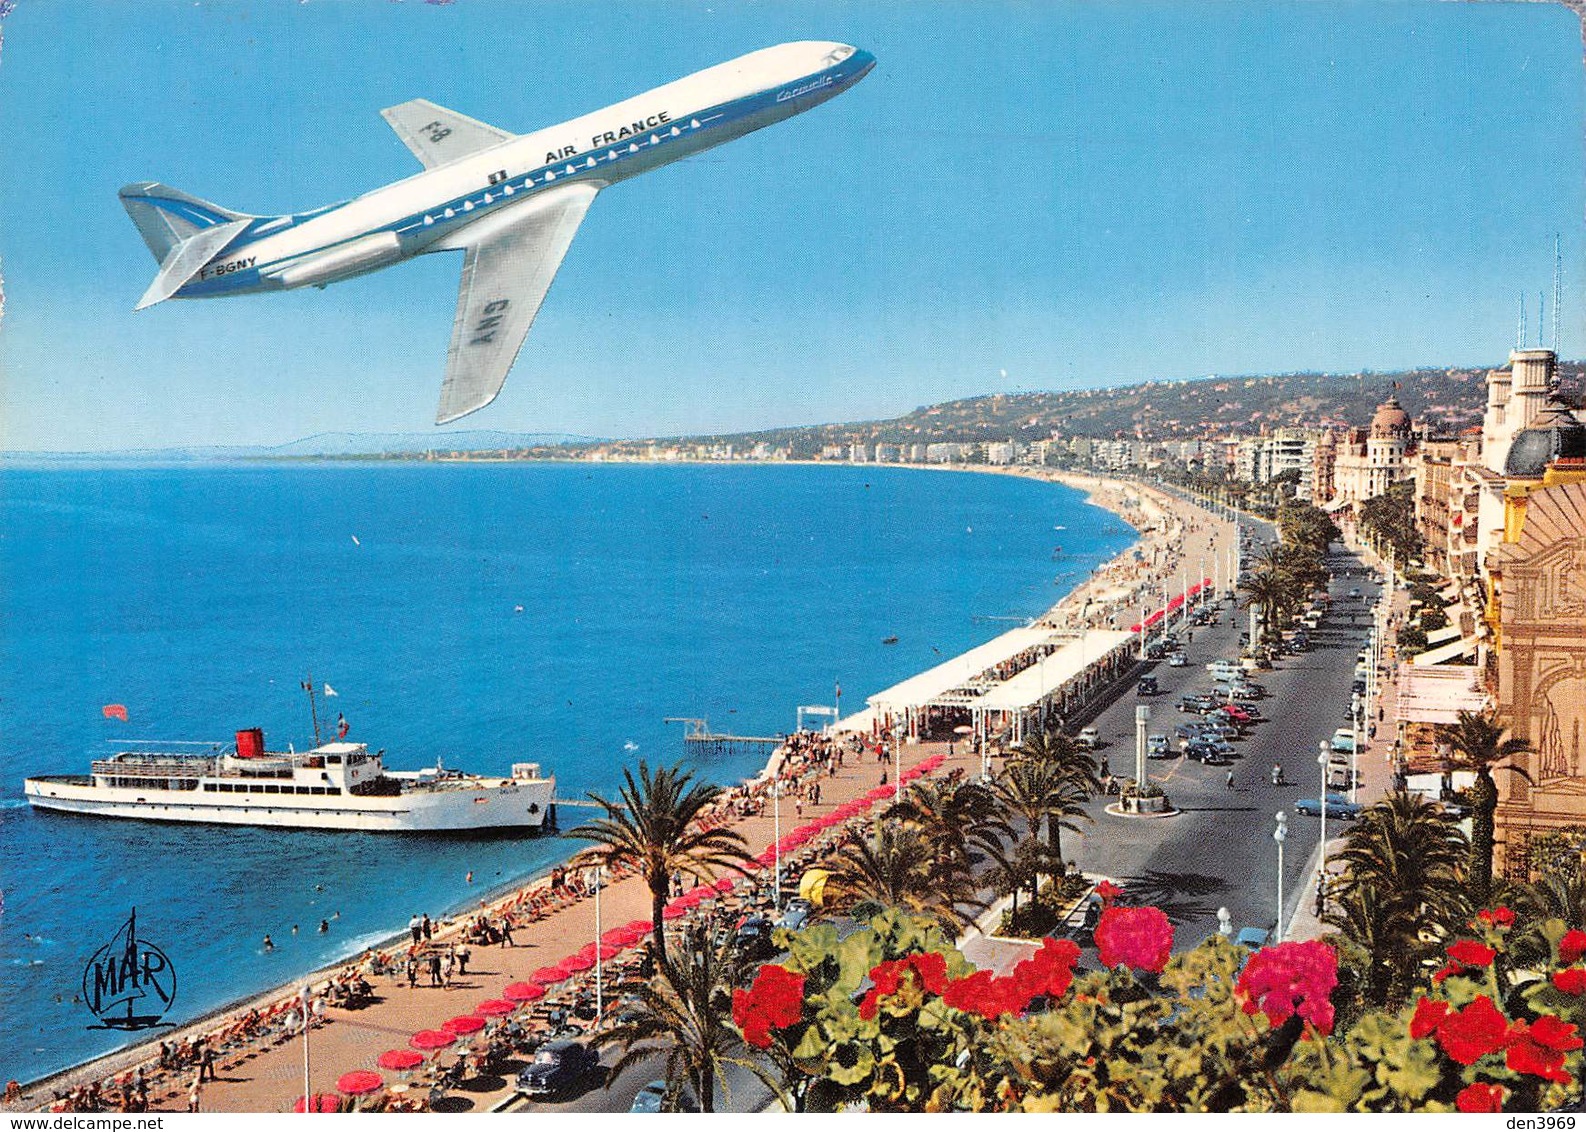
{"x": 512, "y": 256}
{"x": 437, "y": 135}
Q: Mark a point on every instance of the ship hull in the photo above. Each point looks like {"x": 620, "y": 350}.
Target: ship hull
{"x": 516, "y": 806}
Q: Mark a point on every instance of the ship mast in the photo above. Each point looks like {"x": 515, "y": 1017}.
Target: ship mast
{"x": 313, "y": 708}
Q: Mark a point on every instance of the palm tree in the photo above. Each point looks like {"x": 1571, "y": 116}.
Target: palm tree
{"x": 1477, "y": 743}
{"x": 1403, "y": 890}
{"x": 654, "y": 829}
{"x": 687, "y": 1009}
{"x": 895, "y": 867}
{"x": 1046, "y": 794}
{"x": 1266, "y": 591}
{"x": 960, "y": 820}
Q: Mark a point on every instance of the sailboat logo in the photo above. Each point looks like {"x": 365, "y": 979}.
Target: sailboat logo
{"x": 130, "y": 983}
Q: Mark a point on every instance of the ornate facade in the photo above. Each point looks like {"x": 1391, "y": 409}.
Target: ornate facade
{"x": 1537, "y": 607}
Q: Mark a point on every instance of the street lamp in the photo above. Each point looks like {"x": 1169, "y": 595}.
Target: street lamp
{"x": 1278, "y": 835}
{"x": 600, "y": 999}
{"x": 1322, "y": 756}
{"x": 1354, "y": 743}
{"x": 897, "y": 766}
{"x": 304, "y": 997}
{"x": 776, "y": 846}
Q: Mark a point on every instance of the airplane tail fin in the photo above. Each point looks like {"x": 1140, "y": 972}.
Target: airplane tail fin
{"x": 166, "y": 217}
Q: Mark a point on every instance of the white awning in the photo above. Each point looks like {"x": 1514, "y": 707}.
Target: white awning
{"x": 919, "y": 690}
{"x": 1462, "y": 647}
{"x": 1438, "y": 695}
{"x": 1040, "y": 680}
{"x": 1446, "y": 633}
{"x": 1335, "y": 505}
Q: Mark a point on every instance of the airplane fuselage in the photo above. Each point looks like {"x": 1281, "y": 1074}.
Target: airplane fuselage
{"x": 431, "y": 210}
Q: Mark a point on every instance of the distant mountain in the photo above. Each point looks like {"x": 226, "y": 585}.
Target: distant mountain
{"x": 1441, "y": 401}
{"x": 330, "y": 444}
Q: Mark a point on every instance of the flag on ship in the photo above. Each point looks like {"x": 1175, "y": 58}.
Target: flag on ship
{"x": 329, "y": 691}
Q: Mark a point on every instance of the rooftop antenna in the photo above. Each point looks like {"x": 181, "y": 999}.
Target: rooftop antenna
{"x": 1541, "y": 317}
{"x": 1519, "y": 337}
{"x": 1558, "y": 290}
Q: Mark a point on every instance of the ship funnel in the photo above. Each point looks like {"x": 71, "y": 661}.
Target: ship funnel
{"x": 250, "y": 743}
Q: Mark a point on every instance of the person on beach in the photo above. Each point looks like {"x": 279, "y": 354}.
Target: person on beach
{"x": 506, "y": 932}
{"x": 428, "y": 928}
{"x": 206, "y": 1063}
{"x": 463, "y": 954}
{"x": 416, "y": 926}
{"x": 435, "y": 969}
{"x": 413, "y": 971}
{"x": 192, "y": 1094}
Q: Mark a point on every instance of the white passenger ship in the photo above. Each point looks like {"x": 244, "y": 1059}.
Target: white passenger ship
{"x": 337, "y": 785}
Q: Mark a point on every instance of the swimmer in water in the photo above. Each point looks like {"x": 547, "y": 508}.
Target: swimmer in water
{"x": 294, "y": 929}
{"x": 324, "y": 926}
{"x": 469, "y": 879}
{"x": 269, "y": 944}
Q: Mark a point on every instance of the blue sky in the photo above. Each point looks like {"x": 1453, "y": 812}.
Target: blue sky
{"x": 1076, "y": 194}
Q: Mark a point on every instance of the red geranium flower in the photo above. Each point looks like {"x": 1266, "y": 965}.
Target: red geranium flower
{"x": 1142, "y": 938}
{"x": 930, "y": 972}
{"x": 1572, "y": 946}
{"x": 1571, "y": 980}
{"x": 1291, "y": 978}
{"x": 1470, "y": 953}
{"x": 1539, "y": 1049}
{"x": 1499, "y": 917}
{"x": 1480, "y": 1097}
{"x": 1470, "y": 1034}
{"x": 1429, "y": 1014}
{"x": 1108, "y": 892}
{"x": 1444, "y": 972}
{"x": 1049, "y": 971}
{"x": 774, "y": 1001}
{"x": 984, "y": 994}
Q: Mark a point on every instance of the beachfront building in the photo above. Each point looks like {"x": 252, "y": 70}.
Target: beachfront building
{"x": 1262, "y": 459}
{"x": 1536, "y": 580}
{"x": 1368, "y": 461}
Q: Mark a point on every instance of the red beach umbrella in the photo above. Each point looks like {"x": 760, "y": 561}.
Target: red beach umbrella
{"x": 495, "y": 1008}
{"x": 576, "y": 963}
{"x": 322, "y": 1102}
{"x": 523, "y": 992}
{"x": 359, "y": 1082}
{"x": 620, "y": 938}
{"x": 725, "y": 884}
{"x": 640, "y": 925}
{"x": 463, "y": 1025}
{"x": 400, "y": 1060}
{"x": 547, "y": 975}
{"x": 431, "y": 1040}
{"x": 603, "y": 952}
{"x": 690, "y": 899}
{"x": 674, "y": 911}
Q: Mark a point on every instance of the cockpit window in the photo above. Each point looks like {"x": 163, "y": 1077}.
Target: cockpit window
{"x": 837, "y": 55}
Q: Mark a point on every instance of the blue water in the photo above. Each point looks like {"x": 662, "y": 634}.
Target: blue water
{"x": 200, "y": 597}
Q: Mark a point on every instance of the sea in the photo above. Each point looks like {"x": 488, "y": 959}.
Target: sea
{"x": 477, "y": 613}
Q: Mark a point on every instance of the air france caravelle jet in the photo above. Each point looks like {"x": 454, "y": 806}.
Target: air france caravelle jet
{"x": 510, "y": 203}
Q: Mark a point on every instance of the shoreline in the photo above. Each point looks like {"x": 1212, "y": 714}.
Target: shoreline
{"x": 1123, "y": 499}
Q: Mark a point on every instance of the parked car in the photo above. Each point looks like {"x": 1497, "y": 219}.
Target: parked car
{"x": 796, "y": 914}
{"x": 1237, "y": 713}
{"x": 651, "y": 1095}
{"x": 1146, "y": 686}
{"x": 1208, "y": 754}
{"x": 1253, "y": 938}
{"x": 1177, "y": 660}
{"x": 1087, "y": 738}
{"x": 1344, "y": 740}
{"x": 752, "y": 937}
{"x": 558, "y": 1066}
{"x": 1337, "y": 807}
{"x": 1158, "y": 747}
{"x": 1200, "y": 703}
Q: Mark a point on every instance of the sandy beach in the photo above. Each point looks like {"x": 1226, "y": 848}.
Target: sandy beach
{"x": 257, "y": 1045}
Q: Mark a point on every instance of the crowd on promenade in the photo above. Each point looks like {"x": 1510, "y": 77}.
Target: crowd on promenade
{"x": 437, "y": 953}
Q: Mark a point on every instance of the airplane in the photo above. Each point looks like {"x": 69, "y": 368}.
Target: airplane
{"x": 510, "y": 203}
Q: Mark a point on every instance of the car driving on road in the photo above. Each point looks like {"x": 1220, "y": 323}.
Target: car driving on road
{"x": 1337, "y": 807}
{"x": 558, "y": 1067}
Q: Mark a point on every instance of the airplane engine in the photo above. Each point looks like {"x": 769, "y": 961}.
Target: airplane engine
{"x": 377, "y": 249}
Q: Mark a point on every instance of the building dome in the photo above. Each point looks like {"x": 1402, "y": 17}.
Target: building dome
{"x": 1390, "y": 419}
{"x": 1555, "y": 434}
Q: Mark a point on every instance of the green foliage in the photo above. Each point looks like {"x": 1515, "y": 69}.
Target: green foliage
{"x": 1389, "y": 519}
{"x": 1203, "y": 1036}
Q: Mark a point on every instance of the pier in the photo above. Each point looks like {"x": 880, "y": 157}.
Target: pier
{"x": 700, "y": 740}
